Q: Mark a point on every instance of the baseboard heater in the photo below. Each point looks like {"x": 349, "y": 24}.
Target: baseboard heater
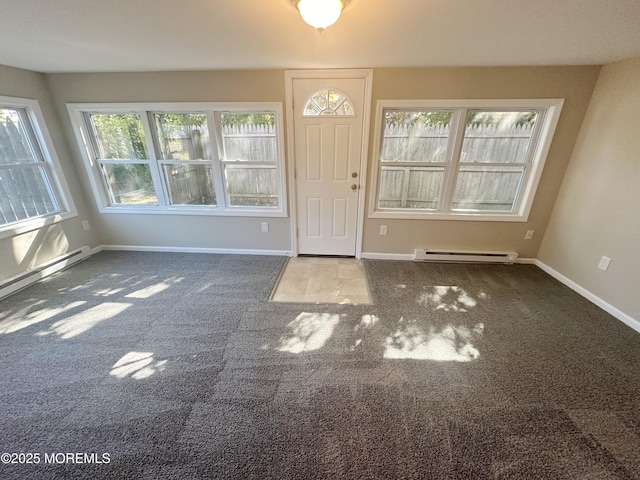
{"x": 32, "y": 275}
{"x": 426, "y": 255}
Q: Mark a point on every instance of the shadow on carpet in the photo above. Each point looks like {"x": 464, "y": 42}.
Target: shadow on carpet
{"x": 157, "y": 365}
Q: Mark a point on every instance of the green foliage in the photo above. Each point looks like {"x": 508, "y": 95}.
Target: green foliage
{"x": 475, "y": 117}
{"x": 431, "y": 119}
{"x": 128, "y": 177}
{"x": 235, "y": 119}
{"x": 180, "y": 121}
{"x": 120, "y": 136}
{"x": 177, "y": 130}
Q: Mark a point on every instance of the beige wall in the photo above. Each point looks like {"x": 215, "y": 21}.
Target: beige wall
{"x": 179, "y": 231}
{"x": 575, "y": 84}
{"x": 21, "y": 252}
{"x": 598, "y": 208}
{"x": 587, "y": 222}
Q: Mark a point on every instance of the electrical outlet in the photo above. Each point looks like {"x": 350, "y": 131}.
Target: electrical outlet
{"x": 383, "y": 230}
{"x": 529, "y": 235}
{"x": 85, "y": 225}
{"x": 604, "y": 263}
{"x": 265, "y": 226}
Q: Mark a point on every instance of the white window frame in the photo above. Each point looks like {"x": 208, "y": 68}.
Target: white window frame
{"x": 539, "y": 149}
{"x": 49, "y": 161}
{"x": 78, "y": 112}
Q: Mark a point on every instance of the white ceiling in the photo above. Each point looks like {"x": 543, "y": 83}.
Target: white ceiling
{"x": 147, "y": 35}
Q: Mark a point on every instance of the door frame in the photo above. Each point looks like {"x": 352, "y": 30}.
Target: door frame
{"x": 290, "y": 76}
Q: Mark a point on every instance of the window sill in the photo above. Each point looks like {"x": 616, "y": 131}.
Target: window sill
{"x": 25, "y": 226}
{"x": 195, "y": 211}
{"x": 462, "y": 216}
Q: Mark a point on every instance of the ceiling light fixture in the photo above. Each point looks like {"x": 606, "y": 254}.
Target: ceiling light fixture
{"x": 320, "y": 14}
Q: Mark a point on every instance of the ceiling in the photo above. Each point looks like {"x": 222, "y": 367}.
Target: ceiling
{"x": 152, "y": 35}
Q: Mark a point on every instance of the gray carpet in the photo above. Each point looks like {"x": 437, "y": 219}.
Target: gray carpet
{"x": 178, "y": 367}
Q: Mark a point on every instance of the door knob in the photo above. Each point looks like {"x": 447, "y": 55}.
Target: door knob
{"x": 354, "y": 174}
{"x": 354, "y": 187}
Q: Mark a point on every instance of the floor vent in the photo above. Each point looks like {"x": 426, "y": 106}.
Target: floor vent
{"x": 23, "y": 280}
{"x": 423, "y": 255}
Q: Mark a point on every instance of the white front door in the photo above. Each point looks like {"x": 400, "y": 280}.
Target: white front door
{"x": 328, "y": 146}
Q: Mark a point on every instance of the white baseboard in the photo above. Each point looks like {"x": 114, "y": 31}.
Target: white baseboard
{"x": 527, "y": 261}
{"x": 607, "y": 307}
{"x": 228, "y": 251}
{"x": 409, "y": 256}
{"x": 387, "y": 256}
{"x": 31, "y": 276}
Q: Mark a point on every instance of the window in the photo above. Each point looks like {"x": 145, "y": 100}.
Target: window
{"x": 32, "y": 189}
{"x": 328, "y": 102}
{"x": 214, "y": 159}
{"x": 186, "y": 159}
{"x": 470, "y": 160}
{"x": 249, "y": 153}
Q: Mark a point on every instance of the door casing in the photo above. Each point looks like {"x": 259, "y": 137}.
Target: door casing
{"x": 290, "y": 75}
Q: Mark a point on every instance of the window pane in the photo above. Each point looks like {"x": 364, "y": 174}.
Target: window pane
{"x": 328, "y": 102}
{"x": 252, "y": 186}
{"x": 14, "y": 143}
{"x": 130, "y": 183}
{"x": 487, "y": 188}
{"x": 410, "y": 187}
{"x": 415, "y": 136}
{"x": 119, "y": 136}
{"x": 24, "y": 193}
{"x": 189, "y": 184}
{"x": 183, "y": 136}
{"x": 249, "y": 137}
{"x": 497, "y": 137}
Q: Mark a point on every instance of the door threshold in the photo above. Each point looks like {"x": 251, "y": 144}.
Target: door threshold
{"x": 318, "y": 280}
{"x": 322, "y": 255}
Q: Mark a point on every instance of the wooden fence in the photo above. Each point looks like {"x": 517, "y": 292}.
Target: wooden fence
{"x": 190, "y": 184}
{"x": 250, "y": 156}
{"x": 250, "y": 143}
{"x": 489, "y": 187}
{"x": 250, "y": 170}
{"x": 24, "y": 193}
{"x": 24, "y": 188}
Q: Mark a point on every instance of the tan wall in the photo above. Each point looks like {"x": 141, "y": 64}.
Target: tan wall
{"x": 598, "y": 208}
{"x": 21, "y": 252}
{"x": 575, "y": 84}
{"x": 180, "y": 231}
{"x": 596, "y": 211}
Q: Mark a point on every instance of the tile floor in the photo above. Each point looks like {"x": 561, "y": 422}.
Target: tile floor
{"x": 322, "y": 280}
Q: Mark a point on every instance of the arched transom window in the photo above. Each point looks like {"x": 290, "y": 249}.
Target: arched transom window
{"x": 328, "y": 102}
